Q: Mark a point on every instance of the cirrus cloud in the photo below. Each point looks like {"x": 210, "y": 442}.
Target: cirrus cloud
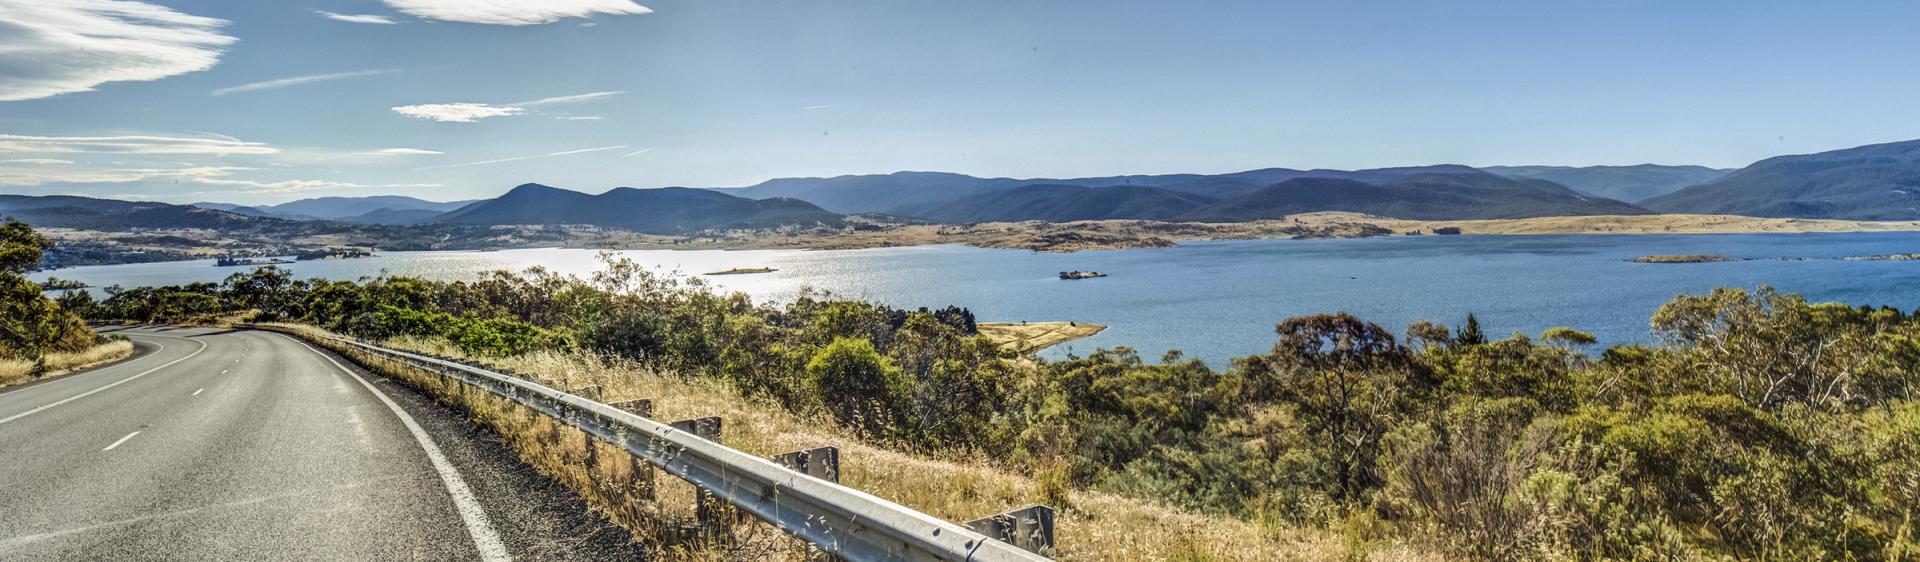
{"x": 456, "y": 112}
{"x": 298, "y": 80}
{"x": 403, "y": 152}
{"x": 514, "y": 12}
{"x": 219, "y": 145}
{"x": 55, "y": 47}
{"x": 467, "y": 112}
{"x": 221, "y": 177}
{"x": 357, "y": 18}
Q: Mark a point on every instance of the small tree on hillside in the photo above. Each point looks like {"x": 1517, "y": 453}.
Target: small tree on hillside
{"x": 858, "y": 385}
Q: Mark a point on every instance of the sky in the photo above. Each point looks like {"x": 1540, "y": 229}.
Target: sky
{"x": 258, "y": 102}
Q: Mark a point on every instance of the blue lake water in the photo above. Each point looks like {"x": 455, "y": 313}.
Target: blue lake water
{"x": 1217, "y": 300}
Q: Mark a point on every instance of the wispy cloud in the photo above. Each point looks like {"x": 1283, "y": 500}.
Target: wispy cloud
{"x": 468, "y": 112}
{"x": 528, "y": 157}
{"x": 221, "y": 145}
{"x": 66, "y": 46}
{"x": 568, "y": 99}
{"x": 514, "y": 12}
{"x": 216, "y": 176}
{"x": 819, "y": 107}
{"x": 456, "y": 112}
{"x": 639, "y": 152}
{"x": 298, "y": 80}
{"x": 579, "y": 117}
{"x": 357, "y": 18}
{"x": 403, "y": 152}
{"x": 37, "y": 161}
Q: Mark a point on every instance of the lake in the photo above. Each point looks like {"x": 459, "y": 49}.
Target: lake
{"x": 1221, "y": 299}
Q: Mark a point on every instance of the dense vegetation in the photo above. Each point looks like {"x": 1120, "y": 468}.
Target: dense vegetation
{"x": 1766, "y": 427}
{"x": 32, "y": 327}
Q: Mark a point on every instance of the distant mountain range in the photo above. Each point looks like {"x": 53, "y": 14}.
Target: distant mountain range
{"x": 1425, "y": 192}
{"x": 668, "y": 210}
{"x": 1437, "y": 192}
{"x": 378, "y": 209}
{"x": 1874, "y": 182}
{"x": 1632, "y": 184}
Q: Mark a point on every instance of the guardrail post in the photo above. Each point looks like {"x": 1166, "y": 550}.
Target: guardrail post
{"x": 639, "y": 471}
{"x": 818, "y": 462}
{"x": 1030, "y": 528}
{"x": 590, "y": 392}
{"x": 706, "y": 506}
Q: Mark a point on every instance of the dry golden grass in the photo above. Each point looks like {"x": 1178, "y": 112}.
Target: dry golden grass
{"x": 16, "y": 371}
{"x": 1090, "y": 526}
{"x": 1028, "y": 337}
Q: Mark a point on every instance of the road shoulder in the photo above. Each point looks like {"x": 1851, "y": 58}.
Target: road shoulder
{"x": 536, "y": 517}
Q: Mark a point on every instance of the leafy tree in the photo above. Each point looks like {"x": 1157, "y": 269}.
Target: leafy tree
{"x": 860, "y": 387}
{"x": 20, "y": 247}
{"x": 1347, "y": 381}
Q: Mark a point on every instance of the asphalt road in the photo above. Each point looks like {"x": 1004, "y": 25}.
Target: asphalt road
{"x": 242, "y": 445}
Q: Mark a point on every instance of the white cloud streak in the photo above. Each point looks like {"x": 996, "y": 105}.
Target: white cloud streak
{"x": 456, "y": 112}
{"x": 54, "y": 47}
{"x": 514, "y": 12}
{"x": 529, "y": 157}
{"x": 131, "y": 144}
{"x": 357, "y": 18}
{"x": 217, "y": 176}
{"x": 403, "y": 152}
{"x": 568, "y": 99}
{"x": 298, "y": 80}
{"x": 37, "y": 161}
{"x": 468, "y": 112}
{"x": 639, "y": 152}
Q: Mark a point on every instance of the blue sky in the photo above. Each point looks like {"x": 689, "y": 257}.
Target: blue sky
{"x": 259, "y": 102}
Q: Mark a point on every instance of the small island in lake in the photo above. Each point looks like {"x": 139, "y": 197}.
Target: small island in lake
{"x": 1081, "y": 274}
{"x": 743, "y": 271}
{"x": 333, "y": 254}
{"x": 1688, "y": 258}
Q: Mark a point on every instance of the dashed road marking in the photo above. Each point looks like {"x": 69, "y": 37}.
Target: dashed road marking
{"x": 122, "y": 440}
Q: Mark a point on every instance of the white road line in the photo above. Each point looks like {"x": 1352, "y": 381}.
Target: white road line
{"x": 197, "y": 392}
{"x": 491, "y": 549}
{"x": 122, "y": 440}
{"x": 203, "y": 347}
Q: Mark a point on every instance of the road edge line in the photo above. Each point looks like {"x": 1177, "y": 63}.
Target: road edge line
{"x": 203, "y": 347}
{"x": 484, "y": 538}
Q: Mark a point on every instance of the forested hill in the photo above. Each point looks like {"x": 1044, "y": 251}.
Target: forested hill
{"x": 1423, "y": 192}
{"x": 1062, "y": 203}
{"x": 1626, "y": 183}
{"x": 66, "y": 211}
{"x": 1427, "y": 196}
{"x": 1874, "y": 182}
{"x": 669, "y": 210}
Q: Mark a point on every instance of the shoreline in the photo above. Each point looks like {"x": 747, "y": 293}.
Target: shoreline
{"x": 1068, "y": 237}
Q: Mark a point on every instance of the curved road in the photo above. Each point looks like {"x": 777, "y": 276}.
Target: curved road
{"x": 242, "y": 445}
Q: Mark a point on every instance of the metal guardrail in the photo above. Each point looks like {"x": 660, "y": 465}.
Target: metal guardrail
{"x": 839, "y": 520}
